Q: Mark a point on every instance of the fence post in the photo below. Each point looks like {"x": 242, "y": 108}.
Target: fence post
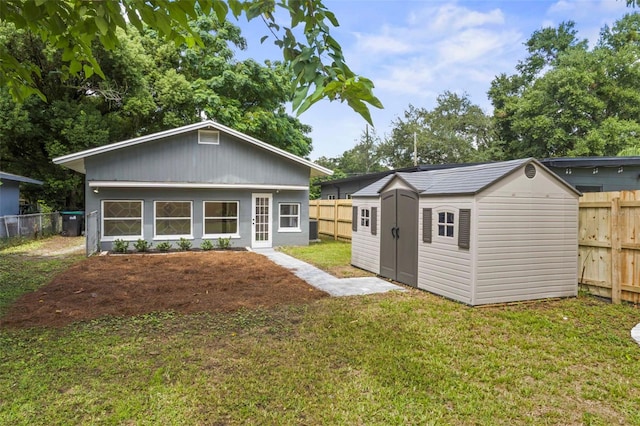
{"x": 616, "y": 251}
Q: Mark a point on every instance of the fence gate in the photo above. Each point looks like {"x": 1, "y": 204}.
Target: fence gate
{"x": 92, "y": 233}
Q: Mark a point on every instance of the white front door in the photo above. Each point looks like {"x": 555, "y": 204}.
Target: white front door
{"x": 261, "y": 221}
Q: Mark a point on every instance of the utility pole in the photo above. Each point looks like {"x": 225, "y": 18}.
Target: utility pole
{"x": 415, "y": 150}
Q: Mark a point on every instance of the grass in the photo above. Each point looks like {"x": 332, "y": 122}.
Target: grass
{"x": 329, "y": 255}
{"x": 389, "y": 359}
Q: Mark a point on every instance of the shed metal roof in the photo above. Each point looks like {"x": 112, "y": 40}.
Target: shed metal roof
{"x": 17, "y": 178}
{"x": 75, "y": 161}
{"x": 456, "y": 181}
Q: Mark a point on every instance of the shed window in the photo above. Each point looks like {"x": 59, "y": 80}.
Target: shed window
{"x": 220, "y": 218}
{"x": 289, "y": 217}
{"x": 173, "y": 219}
{"x": 122, "y": 219}
{"x": 209, "y": 137}
{"x": 365, "y": 217}
{"x": 445, "y": 224}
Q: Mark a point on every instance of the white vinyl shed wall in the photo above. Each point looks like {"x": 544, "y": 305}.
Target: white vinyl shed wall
{"x": 365, "y": 246}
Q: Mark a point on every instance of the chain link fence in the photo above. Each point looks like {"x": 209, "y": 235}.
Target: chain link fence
{"x": 92, "y": 233}
{"x": 30, "y": 226}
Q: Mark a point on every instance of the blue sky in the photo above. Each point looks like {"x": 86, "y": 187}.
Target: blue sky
{"x": 414, "y": 50}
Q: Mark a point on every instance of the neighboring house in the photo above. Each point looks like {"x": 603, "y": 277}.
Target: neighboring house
{"x": 490, "y": 233}
{"x": 598, "y": 174}
{"x": 586, "y": 174}
{"x": 10, "y": 192}
{"x": 201, "y": 181}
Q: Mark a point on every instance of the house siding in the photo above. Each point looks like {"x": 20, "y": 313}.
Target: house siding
{"x": 180, "y": 158}
{"x": 197, "y": 196}
{"x": 365, "y": 247}
{"x": 527, "y": 233}
{"x": 607, "y": 178}
{"x": 443, "y": 267}
{"x": 9, "y": 198}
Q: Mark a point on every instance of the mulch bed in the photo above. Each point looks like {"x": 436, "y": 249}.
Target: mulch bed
{"x": 140, "y": 284}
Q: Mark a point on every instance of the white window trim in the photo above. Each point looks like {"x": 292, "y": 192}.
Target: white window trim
{"x": 123, "y": 237}
{"x": 366, "y": 217}
{"x": 280, "y": 228}
{"x": 204, "y": 218}
{"x": 331, "y": 197}
{"x": 454, "y": 225}
{"x": 211, "y": 133}
{"x": 172, "y": 237}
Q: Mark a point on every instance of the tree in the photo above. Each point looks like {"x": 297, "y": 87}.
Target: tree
{"x": 586, "y": 102}
{"x": 149, "y": 86}
{"x": 455, "y": 131}
{"x": 72, "y": 26}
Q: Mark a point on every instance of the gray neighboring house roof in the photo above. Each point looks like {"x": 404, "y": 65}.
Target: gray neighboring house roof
{"x": 456, "y": 181}
{"x": 75, "y": 161}
{"x": 17, "y": 178}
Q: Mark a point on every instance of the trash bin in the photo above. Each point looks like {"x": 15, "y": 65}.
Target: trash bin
{"x": 313, "y": 230}
{"x": 72, "y": 223}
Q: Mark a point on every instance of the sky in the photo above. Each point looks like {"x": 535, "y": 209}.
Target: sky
{"x": 415, "y": 50}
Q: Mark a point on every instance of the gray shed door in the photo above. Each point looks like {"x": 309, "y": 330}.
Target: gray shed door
{"x": 399, "y": 236}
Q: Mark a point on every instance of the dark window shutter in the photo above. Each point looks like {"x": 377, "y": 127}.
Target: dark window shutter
{"x": 426, "y": 225}
{"x": 374, "y": 220}
{"x": 354, "y": 218}
{"x": 464, "y": 228}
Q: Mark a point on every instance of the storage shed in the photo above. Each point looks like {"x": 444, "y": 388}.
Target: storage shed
{"x": 491, "y": 233}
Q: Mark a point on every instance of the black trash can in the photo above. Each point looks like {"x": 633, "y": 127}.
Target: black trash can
{"x": 313, "y": 230}
{"x": 72, "y": 223}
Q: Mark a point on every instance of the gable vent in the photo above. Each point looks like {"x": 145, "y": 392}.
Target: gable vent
{"x": 209, "y": 137}
{"x": 530, "y": 171}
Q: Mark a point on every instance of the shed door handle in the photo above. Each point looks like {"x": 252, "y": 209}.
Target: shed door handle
{"x": 393, "y": 233}
{"x": 397, "y": 233}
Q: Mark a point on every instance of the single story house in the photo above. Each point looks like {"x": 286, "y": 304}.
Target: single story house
{"x": 586, "y": 174}
{"x": 490, "y": 233}
{"x": 202, "y": 181}
{"x": 10, "y": 192}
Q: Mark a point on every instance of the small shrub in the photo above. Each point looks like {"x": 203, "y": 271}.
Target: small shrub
{"x": 164, "y": 246}
{"x": 224, "y": 243}
{"x": 184, "y": 244}
{"x": 120, "y": 246}
{"x": 142, "y": 245}
{"x": 206, "y": 245}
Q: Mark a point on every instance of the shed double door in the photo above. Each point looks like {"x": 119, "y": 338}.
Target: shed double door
{"x": 399, "y": 236}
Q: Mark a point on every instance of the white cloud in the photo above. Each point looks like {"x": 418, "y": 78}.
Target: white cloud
{"x": 450, "y": 17}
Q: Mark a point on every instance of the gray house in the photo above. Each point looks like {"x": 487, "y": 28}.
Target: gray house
{"x": 586, "y": 174}
{"x": 201, "y": 182}
{"x": 491, "y": 233}
{"x": 10, "y": 192}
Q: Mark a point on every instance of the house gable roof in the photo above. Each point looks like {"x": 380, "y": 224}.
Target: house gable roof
{"x": 17, "y": 178}
{"x": 75, "y": 161}
{"x": 457, "y": 181}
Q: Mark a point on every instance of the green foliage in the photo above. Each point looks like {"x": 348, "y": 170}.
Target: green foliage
{"x": 455, "y": 131}
{"x": 568, "y": 100}
{"x": 74, "y": 27}
{"x": 164, "y": 246}
{"x": 206, "y": 245}
{"x": 120, "y": 246}
{"x": 224, "y": 243}
{"x": 184, "y": 244}
{"x": 631, "y": 151}
{"x": 142, "y": 245}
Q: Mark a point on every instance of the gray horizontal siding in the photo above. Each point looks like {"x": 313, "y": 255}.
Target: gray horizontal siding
{"x": 527, "y": 248}
{"x": 181, "y": 159}
{"x": 197, "y": 196}
{"x": 365, "y": 247}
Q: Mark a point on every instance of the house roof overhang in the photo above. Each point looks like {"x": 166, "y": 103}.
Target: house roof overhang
{"x": 75, "y": 161}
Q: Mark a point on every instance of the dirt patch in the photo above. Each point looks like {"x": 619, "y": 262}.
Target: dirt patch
{"x": 180, "y": 282}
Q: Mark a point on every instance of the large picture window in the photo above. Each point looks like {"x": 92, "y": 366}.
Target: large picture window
{"x": 121, "y": 219}
{"x": 289, "y": 217}
{"x": 220, "y": 218}
{"x": 173, "y": 219}
{"x": 445, "y": 224}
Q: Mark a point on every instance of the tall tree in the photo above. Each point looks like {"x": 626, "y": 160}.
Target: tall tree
{"x": 586, "y": 102}
{"x": 316, "y": 60}
{"x": 455, "y": 131}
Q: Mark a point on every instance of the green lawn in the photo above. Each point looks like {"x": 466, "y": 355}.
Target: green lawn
{"x": 328, "y": 254}
{"x": 391, "y": 359}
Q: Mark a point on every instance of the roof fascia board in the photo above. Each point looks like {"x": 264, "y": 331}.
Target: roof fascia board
{"x": 191, "y": 185}
{"x": 397, "y": 176}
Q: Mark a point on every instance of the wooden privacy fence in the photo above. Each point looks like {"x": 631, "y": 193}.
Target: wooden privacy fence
{"x": 333, "y": 216}
{"x": 609, "y": 244}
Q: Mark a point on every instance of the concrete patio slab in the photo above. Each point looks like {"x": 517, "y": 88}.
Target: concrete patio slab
{"x": 327, "y": 282}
